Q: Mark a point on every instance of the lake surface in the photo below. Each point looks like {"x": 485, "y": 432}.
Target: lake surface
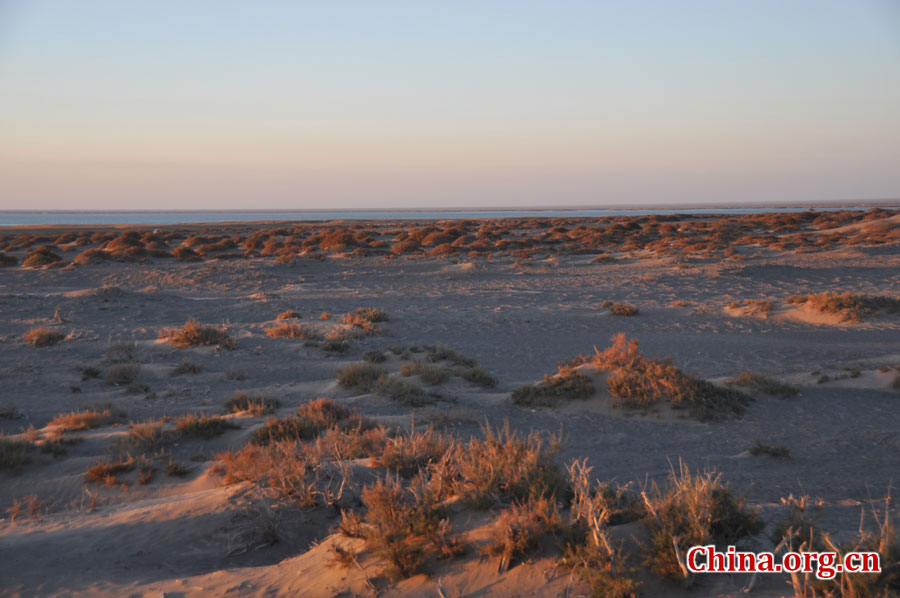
{"x": 39, "y": 218}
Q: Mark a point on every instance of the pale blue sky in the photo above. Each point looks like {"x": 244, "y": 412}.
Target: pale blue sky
{"x": 214, "y": 104}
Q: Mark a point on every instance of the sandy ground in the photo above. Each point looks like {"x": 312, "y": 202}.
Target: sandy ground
{"x": 193, "y": 536}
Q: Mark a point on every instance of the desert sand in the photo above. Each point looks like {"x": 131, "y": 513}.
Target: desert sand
{"x": 518, "y": 311}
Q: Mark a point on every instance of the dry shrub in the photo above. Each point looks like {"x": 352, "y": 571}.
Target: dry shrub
{"x": 429, "y": 374}
{"x": 693, "y": 510}
{"x": 84, "y": 420}
{"x": 620, "y": 309}
{"x": 194, "y": 334}
{"x": 258, "y": 404}
{"x": 108, "y": 472}
{"x": 403, "y": 393}
{"x": 405, "y": 525}
{"x": 310, "y": 419}
{"x": 847, "y": 306}
{"x": 290, "y": 314}
{"x": 441, "y": 353}
{"x": 203, "y": 426}
{"x": 567, "y": 384}
{"x": 122, "y": 352}
{"x": 42, "y": 337}
{"x": 765, "y": 384}
{"x": 519, "y": 530}
{"x": 589, "y": 551}
{"x": 407, "y": 454}
{"x": 144, "y": 437}
{"x": 293, "y": 331}
{"x": 476, "y": 376}
{"x": 359, "y": 376}
{"x": 186, "y": 366}
{"x": 636, "y": 381}
{"x": 503, "y": 467}
{"x": 122, "y": 374}
{"x": 363, "y": 320}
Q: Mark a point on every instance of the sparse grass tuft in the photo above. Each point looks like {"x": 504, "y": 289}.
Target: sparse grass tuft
{"x": 186, "y": 366}
{"x": 257, "y": 405}
{"x": 292, "y": 331}
{"x": 83, "y": 420}
{"x": 42, "y": 337}
{"x": 107, "y": 472}
{"x": 567, "y": 384}
{"x": 310, "y": 419}
{"x": 194, "y": 334}
{"x": 203, "y": 426}
{"x": 765, "y": 384}
{"x": 144, "y": 437}
{"x": 620, "y": 309}
{"x": 428, "y": 373}
{"x": 403, "y": 393}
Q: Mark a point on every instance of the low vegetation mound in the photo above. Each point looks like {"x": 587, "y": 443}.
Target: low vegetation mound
{"x": 194, "y": 334}
{"x": 43, "y": 337}
{"x": 567, "y": 384}
{"x": 847, "y": 306}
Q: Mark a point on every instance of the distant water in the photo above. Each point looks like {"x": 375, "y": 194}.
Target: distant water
{"x": 22, "y": 218}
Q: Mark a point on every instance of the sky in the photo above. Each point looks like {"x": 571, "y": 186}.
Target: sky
{"x": 175, "y": 104}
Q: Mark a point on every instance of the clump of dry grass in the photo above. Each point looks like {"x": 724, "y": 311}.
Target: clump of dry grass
{"x": 310, "y": 419}
{"x": 693, "y": 510}
{"x": 144, "y": 437}
{"x": 365, "y": 318}
{"x": 847, "y": 306}
{"x": 258, "y": 404}
{"x": 441, "y": 353}
{"x": 567, "y": 384}
{"x": 203, "y": 426}
{"x": 428, "y": 373}
{"x": 636, "y": 381}
{"x": 359, "y": 376}
{"x": 503, "y": 466}
{"x": 620, "y": 309}
{"x": 194, "y": 334}
{"x": 407, "y": 454}
{"x": 28, "y": 506}
{"x": 335, "y": 345}
{"x": 405, "y": 525}
{"x": 292, "y": 331}
{"x": 84, "y": 420}
{"x": 122, "y": 374}
{"x": 290, "y": 314}
{"x": 519, "y": 530}
{"x": 476, "y": 376}
{"x": 108, "y": 472}
{"x": 43, "y": 337}
{"x": 589, "y": 550}
{"x": 374, "y": 357}
{"x": 186, "y": 366}
{"x": 403, "y": 393}
{"x": 758, "y": 307}
{"x": 765, "y": 384}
